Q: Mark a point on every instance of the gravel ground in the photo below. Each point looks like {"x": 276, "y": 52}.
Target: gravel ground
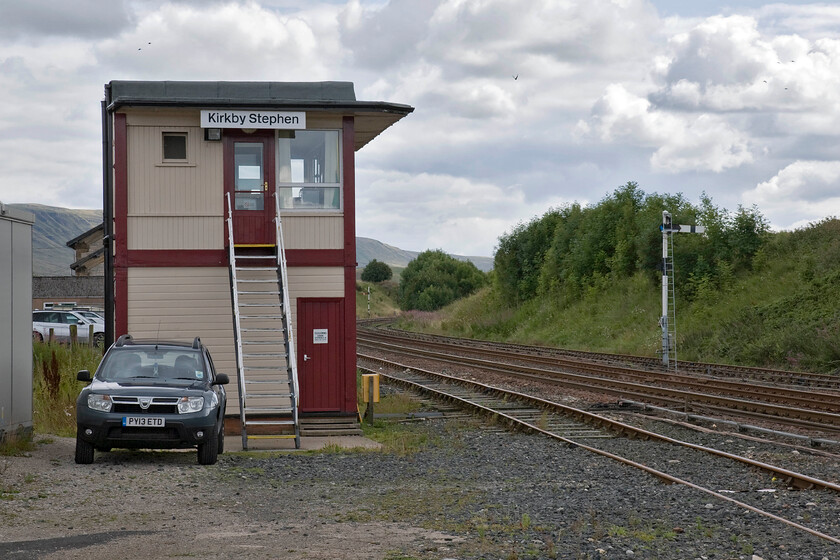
{"x": 471, "y": 492}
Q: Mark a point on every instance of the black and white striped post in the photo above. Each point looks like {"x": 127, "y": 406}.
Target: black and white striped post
{"x": 667, "y": 228}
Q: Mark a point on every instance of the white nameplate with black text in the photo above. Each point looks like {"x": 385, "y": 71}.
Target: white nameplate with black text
{"x": 289, "y": 120}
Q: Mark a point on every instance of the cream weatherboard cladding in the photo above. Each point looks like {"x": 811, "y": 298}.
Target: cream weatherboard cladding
{"x": 312, "y": 231}
{"x": 174, "y": 205}
{"x": 180, "y": 303}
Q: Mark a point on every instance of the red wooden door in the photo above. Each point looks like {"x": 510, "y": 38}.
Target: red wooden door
{"x": 249, "y": 178}
{"x": 320, "y": 354}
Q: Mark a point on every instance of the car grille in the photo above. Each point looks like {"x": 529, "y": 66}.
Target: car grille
{"x": 146, "y": 434}
{"x": 157, "y": 405}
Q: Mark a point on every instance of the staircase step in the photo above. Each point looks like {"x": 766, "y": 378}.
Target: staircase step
{"x": 262, "y": 268}
{"x": 269, "y": 422}
{"x": 263, "y": 281}
{"x": 272, "y": 304}
{"x": 266, "y": 409}
{"x": 265, "y": 293}
{"x": 261, "y": 316}
{"x": 261, "y": 329}
{"x": 269, "y": 396}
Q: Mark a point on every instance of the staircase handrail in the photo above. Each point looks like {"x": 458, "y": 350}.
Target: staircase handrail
{"x": 237, "y": 329}
{"x": 287, "y": 307}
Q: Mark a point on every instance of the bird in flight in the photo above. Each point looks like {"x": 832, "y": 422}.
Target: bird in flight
{"x": 516, "y": 77}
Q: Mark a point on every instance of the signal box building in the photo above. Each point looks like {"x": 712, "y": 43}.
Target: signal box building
{"x": 195, "y": 175}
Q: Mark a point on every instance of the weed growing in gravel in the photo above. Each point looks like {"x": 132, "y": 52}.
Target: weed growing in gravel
{"x": 400, "y": 439}
{"x": 399, "y": 556}
{"x": 55, "y": 388}
{"x": 15, "y": 444}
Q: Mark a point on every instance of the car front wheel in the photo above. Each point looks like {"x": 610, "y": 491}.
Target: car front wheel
{"x": 84, "y": 452}
{"x": 222, "y": 438}
{"x": 208, "y": 451}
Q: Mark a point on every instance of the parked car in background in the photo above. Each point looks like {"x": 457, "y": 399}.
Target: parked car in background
{"x": 60, "y": 321}
{"x": 152, "y": 394}
{"x": 91, "y": 316}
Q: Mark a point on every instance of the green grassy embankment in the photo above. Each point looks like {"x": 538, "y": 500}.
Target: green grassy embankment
{"x": 782, "y": 313}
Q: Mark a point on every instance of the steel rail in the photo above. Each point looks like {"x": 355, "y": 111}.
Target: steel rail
{"x": 623, "y": 429}
{"x": 382, "y": 326}
{"x": 801, "y": 417}
{"x": 787, "y": 395}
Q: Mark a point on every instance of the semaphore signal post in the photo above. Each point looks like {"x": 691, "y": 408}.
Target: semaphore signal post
{"x": 668, "y": 320}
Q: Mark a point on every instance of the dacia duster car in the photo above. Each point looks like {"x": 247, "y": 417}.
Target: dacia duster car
{"x": 150, "y": 394}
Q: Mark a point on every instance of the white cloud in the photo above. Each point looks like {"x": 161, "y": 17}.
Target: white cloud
{"x": 802, "y": 192}
{"x": 676, "y": 101}
{"x": 427, "y": 211}
{"x": 681, "y": 141}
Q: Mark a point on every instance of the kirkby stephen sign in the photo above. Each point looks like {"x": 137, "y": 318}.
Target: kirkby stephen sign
{"x": 293, "y": 120}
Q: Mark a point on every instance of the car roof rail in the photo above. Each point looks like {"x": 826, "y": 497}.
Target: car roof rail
{"x": 197, "y": 343}
{"x": 123, "y": 340}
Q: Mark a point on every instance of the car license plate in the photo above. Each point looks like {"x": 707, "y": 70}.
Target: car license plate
{"x": 143, "y": 421}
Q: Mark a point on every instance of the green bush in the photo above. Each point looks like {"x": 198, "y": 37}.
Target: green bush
{"x": 434, "y": 279}
{"x": 377, "y": 271}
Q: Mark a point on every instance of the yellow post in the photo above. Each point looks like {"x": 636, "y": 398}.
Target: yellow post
{"x": 370, "y": 393}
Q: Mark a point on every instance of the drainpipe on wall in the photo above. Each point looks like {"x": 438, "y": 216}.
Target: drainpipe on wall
{"x": 107, "y": 216}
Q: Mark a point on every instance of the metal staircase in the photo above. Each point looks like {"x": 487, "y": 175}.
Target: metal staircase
{"x": 265, "y": 351}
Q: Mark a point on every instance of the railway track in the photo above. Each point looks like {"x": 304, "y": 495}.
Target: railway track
{"x": 809, "y": 408}
{"x": 381, "y": 328}
{"x": 582, "y": 429}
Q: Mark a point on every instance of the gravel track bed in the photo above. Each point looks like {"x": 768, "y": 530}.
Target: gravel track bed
{"x": 819, "y": 510}
{"x": 502, "y": 495}
{"x": 471, "y": 492}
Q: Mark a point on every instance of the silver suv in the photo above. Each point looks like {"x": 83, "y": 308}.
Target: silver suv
{"x": 60, "y": 321}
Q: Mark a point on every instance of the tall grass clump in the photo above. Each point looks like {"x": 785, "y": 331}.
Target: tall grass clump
{"x": 55, "y": 387}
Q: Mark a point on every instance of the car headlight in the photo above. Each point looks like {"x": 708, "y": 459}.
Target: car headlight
{"x": 102, "y": 403}
{"x": 190, "y": 404}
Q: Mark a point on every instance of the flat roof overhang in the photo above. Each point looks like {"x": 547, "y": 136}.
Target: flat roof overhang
{"x": 371, "y": 117}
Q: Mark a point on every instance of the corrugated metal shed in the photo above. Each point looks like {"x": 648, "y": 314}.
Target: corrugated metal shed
{"x": 15, "y": 320}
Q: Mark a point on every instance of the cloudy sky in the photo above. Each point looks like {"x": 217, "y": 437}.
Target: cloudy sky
{"x": 520, "y": 105}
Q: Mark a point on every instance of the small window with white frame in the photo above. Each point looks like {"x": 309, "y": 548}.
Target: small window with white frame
{"x": 175, "y": 147}
{"x": 309, "y": 169}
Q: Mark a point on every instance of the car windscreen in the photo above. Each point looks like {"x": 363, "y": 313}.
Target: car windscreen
{"x": 160, "y": 363}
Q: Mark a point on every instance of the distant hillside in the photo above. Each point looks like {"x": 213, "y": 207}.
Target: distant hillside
{"x": 53, "y": 228}
{"x": 368, "y": 249}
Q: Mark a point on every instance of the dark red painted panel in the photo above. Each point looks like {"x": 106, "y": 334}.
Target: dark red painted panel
{"x": 321, "y": 372}
{"x": 349, "y": 164}
{"x": 177, "y": 257}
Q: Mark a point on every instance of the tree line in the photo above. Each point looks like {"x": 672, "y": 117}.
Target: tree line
{"x": 573, "y": 248}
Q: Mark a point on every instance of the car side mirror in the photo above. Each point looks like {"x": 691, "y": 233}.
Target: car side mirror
{"x": 221, "y": 379}
{"x": 84, "y": 375}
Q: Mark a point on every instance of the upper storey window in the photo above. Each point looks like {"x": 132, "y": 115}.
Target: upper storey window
{"x": 308, "y": 169}
{"x": 174, "y": 146}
